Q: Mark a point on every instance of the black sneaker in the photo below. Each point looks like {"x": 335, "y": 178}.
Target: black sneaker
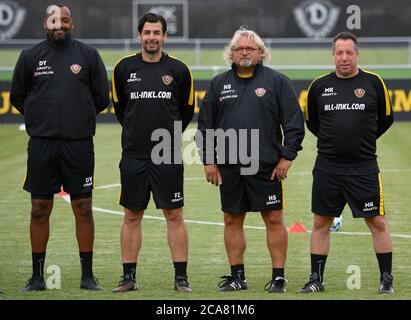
{"x": 126, "y": 284}
{"x": 313, "y": 285}
{"x": 232, "y": 283}
{"x": 34, "y": 284}
{"x": 386, "y": 284}
{"x": 276, "y": 285}
{"x": 90, "y": 283}
{"x": 181, "y": 284}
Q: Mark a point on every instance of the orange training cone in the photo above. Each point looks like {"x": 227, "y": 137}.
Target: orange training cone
{"x": 297, "y": 227}
{"x": 62, "y": 193}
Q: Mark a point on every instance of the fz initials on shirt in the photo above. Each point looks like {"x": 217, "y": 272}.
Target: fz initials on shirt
{"x": 133, "y": 77}
{"x": 177, "y": 197}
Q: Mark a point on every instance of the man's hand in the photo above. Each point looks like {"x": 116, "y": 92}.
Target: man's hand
{"x": 281, "y": 169}
{"x": 213, "y": 174}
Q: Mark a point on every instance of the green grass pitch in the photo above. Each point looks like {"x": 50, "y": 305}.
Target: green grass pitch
{"x": 207, "y": 259}
{"x": 280, "y": 57}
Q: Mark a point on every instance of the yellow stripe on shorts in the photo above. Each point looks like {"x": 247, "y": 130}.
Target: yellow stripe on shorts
{"x": 382, "y": 212}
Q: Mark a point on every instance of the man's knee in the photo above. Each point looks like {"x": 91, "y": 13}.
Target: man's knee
{"x": 41, "y": 210}
{"x": 133, "y": 218}
{"x": 322, "y": 223}
{"x": 377, "y": 224}
{"x": 233, "y": 219}
{"x": 273, "y": 218}
{"x": 174, "y": 215}
{"x": 82, "y": 209}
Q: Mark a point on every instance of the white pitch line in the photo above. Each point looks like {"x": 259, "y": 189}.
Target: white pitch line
{"x": 406, "y": 236}
{"x": 119, "y": 213}
{"x": 108, "y": 186}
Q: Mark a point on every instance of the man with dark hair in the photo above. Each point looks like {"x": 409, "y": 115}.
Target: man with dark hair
{"x": 152, "y": 18}
{"x": 348, "y": 110}
{"x": 61, "y": 126}
{"x": 250, "y": 100}
{"x": 152, "y": 92}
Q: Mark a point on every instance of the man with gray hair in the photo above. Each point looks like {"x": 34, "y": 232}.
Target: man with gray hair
{"x": 259, "y": 105}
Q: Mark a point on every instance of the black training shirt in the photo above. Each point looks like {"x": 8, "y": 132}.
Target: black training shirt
{"x": 348, "y": 115}
{"x": 59, "y": 87}
{"x": 149, "y": 96}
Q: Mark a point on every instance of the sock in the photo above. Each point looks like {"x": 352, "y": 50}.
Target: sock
{"x": 129, "y": 271}
{"x": 180, "y": 269}
{"x": 86, "y": 262}
{"x": 238, "y": 270}
{"x": 318, "y": 264}
{"x": 38, "y": 264}
{"x": 384, "y": 262}
{"x": 278, "y": 272}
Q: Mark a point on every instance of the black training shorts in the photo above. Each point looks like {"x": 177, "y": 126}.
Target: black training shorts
{"x": 53, "y": 163}
{"x": 331, "y": 192}
{"x": 140, "y": 176}
{"x": 243, "y": 193}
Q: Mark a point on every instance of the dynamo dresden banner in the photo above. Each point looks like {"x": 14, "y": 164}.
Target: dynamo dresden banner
{"x": 399, "y": 89}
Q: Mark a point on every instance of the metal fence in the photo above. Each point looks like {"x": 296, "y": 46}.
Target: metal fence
{"x": 198, "y": 45}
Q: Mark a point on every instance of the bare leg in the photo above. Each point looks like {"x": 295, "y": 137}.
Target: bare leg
{"x": 234, "y": 237}
{"x": 39, "y": 224}
{"x": 277, "y": 237}
{"x": 176, "y": 234}
{"x": 380, "y": 234}
{"x": 83, "y": 213}
{"x": 320, "y": 237}
{"x": 131, "y": 235}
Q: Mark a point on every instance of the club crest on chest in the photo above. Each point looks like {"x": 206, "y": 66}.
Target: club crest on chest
{"x": 167, "y": 79}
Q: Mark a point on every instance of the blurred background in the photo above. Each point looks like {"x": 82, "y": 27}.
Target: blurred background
{"x": 299, "y": 33}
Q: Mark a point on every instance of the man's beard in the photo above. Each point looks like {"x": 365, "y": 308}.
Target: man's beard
{"x": 60, "y": 38}
{"x": 245, "y": 63}
{"x": 152, "y": 50}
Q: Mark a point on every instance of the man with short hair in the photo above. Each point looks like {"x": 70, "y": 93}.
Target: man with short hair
{"x": 259, "y": 106}
{"x": 59, "y": 86}
{"x": 348, "y": 110}
{"x": 152, "y": 92}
